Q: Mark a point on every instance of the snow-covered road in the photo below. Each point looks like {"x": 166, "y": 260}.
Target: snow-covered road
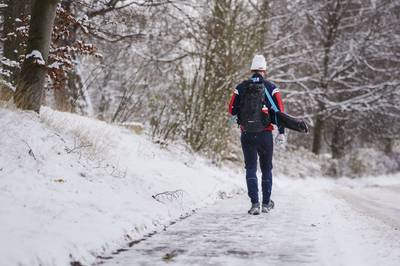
{"x": 379, "y": 202}
{"x": 312, "y": 224}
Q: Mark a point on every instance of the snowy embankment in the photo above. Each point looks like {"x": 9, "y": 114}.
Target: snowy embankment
{"x": 72, "y": 188}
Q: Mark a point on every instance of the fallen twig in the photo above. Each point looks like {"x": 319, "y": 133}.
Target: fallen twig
{"x": 30, "y": 152}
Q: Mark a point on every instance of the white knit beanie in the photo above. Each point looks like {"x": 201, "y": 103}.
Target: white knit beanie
{"x": 258, "y": 63}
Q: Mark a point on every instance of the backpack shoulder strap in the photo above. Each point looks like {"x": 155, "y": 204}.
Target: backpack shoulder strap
{"x": 273, "y": 105}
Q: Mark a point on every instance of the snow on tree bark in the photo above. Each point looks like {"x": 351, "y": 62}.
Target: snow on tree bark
{"x": 31, "y": 82}
{"x": 14, "y": 16}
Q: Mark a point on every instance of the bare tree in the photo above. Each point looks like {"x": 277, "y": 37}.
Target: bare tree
{"x": 31, "y": 82}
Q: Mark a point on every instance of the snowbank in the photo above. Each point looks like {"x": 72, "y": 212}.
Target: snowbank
{"x": 370, "y": 162}
{"x": 296, "y": 162}
{"x": 299, "y": 162}
{"x": 72, "y": 188}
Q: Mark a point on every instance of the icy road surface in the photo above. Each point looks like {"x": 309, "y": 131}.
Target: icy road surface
{"x": 313, "y": 223}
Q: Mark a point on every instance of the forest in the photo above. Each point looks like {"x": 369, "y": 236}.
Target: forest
{"x": 172, "y": 66}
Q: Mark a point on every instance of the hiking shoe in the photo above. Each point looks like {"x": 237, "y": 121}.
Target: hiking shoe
{"x": 255, "y": 209}
{"x": 267, "y": 207}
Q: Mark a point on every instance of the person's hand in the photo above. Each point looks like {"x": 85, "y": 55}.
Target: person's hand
{"x": 232, "y": 120}
{"x": 280, "y": 139}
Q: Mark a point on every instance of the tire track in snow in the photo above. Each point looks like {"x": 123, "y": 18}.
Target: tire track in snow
{"x": 379, "y": 202}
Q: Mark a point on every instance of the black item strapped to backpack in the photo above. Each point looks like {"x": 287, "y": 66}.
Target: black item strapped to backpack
{"x": 286, "y": 120}
{"x": 252, "y": 100}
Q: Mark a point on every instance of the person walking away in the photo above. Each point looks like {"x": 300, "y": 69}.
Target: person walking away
{"x": 255, "y": 116}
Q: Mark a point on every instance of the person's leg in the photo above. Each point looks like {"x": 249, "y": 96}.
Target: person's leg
{"x": 265, "y": 151}
{"x": 250, "y": 158}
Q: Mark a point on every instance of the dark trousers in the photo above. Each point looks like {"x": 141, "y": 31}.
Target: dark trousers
{"x": 258, "y": 144}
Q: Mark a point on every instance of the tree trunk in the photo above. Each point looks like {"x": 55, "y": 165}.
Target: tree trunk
{"x": 388, "y": 146}
{"x": 262, "y": 29}
{"x": 12, "y": 44}
{"x": 338, "y": 141}
{"x": 318, "y": 133}
{"x": 31, "y": 82}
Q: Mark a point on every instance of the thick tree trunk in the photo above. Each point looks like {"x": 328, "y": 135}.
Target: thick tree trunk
{"x": 329, "y": 36}
{"x": 12, "y": 44}
{"x": 31, "y": 82}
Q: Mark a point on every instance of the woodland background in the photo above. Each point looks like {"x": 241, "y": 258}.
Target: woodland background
{"x": 172, "y": 66}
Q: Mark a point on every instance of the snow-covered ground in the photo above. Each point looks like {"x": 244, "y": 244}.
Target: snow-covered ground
{"x": 315, "y": 222}
{"x": 72, "y": 188}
